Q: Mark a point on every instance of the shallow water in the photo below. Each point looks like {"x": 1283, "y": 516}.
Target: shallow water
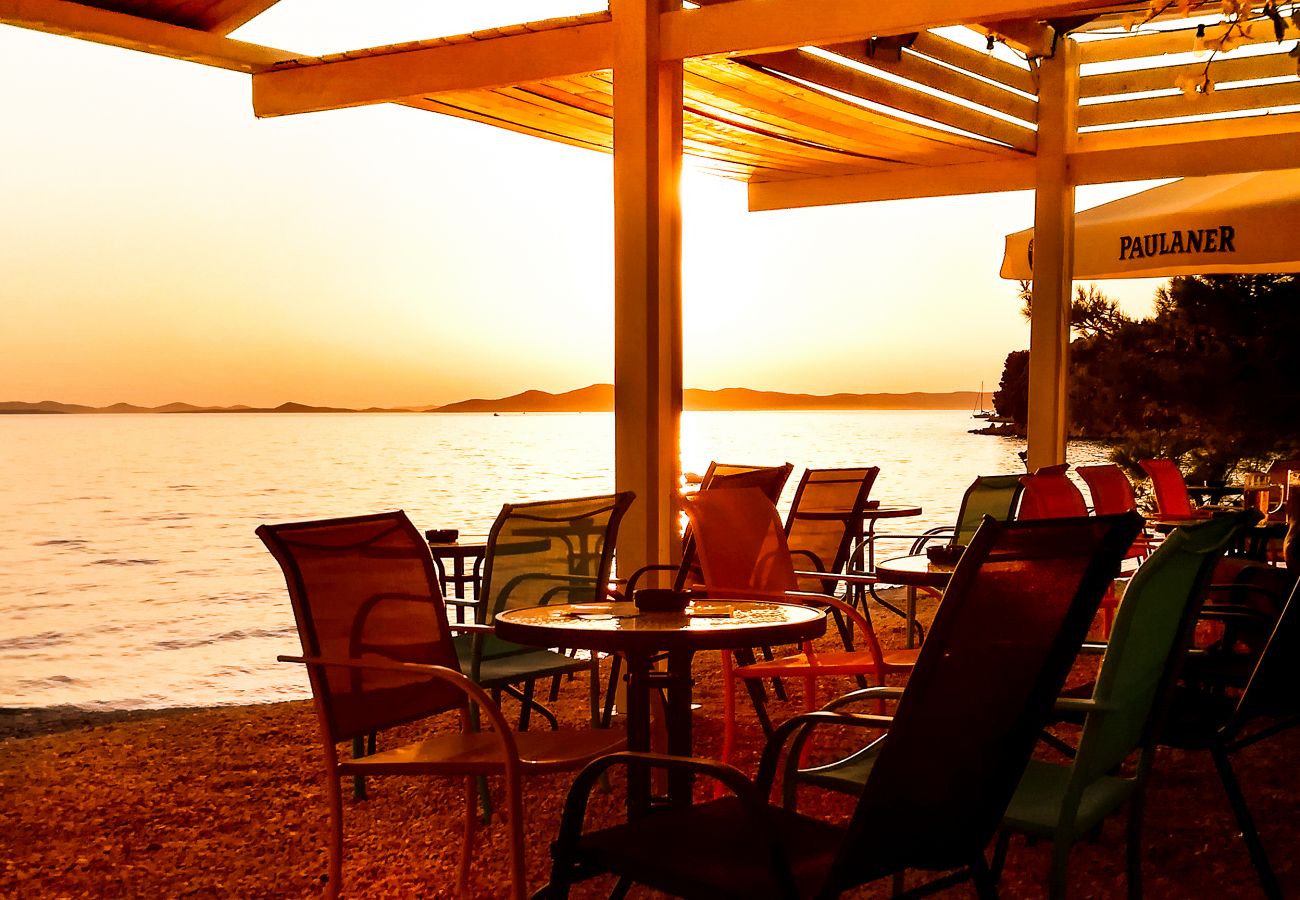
{"x": 132, "y": 577}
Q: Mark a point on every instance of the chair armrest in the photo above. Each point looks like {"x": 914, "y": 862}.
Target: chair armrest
{"x": 802, "y": 726}
{"x": 879, "y": 692}
{"x": 470, "y": 627}
{"x": 1079, "y": 705}
{"x": 634, "y": 579}
{"x": 1093, "y": 648}
{"x": 473, "y": 691}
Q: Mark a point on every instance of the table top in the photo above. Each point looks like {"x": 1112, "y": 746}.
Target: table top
{"x": 915, "y": 570}
{"x": 705, "y": 625}
{"x": 459, "y": 548}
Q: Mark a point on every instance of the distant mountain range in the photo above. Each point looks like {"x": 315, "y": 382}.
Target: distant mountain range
{"x": 594, "y": 398}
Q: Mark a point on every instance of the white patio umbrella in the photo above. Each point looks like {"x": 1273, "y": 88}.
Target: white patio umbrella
{"x": 1220, "y": 224}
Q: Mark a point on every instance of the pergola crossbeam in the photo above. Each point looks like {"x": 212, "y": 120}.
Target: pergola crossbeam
{"x": 116, "y": 29}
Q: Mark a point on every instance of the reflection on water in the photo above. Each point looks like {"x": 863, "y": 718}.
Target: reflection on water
{"x": 133, "y": 577}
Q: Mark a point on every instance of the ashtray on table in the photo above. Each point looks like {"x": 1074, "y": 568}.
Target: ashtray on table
{"x": 661, "y": 600}
{"x": 945, "y": 555}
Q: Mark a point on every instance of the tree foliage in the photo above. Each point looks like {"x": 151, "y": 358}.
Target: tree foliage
{"x": 1212, "y": 376}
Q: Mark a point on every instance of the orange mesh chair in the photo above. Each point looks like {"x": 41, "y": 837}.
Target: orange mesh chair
{"x": 824, "y": 521}
{"x": 744, "y": 554}
{"x": 379, "y": 653}
{"x": 1172, "y": 500}
{"x": 1002, "y": 642}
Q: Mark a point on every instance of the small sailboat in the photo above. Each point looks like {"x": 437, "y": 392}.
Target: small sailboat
{"x": 980, "y": 412}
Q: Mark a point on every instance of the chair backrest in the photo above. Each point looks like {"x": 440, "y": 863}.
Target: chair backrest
{"x": 1169, "y": 487}
{"x": 770, "y": 480}
{"x": 1110, "y": 488}
{"x": 1010, "y": 623}
{"x": 550, "y": 551}
{"x": 988, "y": 495}
{"x": 740, "y": 541}
{"x": 364, "y": 588}
{"x": 1152, "y": 627}
{"x": 825, "y": 519}
{"x": 1272, "y": 688}
{"x": 1050, "y": 494}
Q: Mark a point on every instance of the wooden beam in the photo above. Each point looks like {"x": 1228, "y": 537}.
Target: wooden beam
{"x": 473, "y": 65}
{"x": 817, "y": 70}
{"x": 1053, "y": 259}
{"x": 1179, "y": 106}
{"x": 902, "y": 183}
{"x": 1028, "y": 36}
{"x": 135, "y": 33}
{"x": 946, "y": 50}
{"x": 225, "y": 16}
{"x": 1224, "y": 71}
{"x": 1138, "y": 46}
{"x": 763, "y": 26}
{"x": 1258, "y": 144}
{"x": 924, "y": 71}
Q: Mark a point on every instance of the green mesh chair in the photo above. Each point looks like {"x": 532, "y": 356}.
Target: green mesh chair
{"x": 553, "y": 551}
{"x": 1152, "y": 627}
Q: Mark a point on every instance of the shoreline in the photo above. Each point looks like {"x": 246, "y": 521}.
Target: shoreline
{"x": 20, "y": 723}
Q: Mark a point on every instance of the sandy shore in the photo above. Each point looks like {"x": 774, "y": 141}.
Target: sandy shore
{"x": 228, "y": 802}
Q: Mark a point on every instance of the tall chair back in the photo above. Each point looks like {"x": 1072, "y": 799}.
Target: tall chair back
{"x": 825, "y": 519}
{"x": 1010, "y": 624}
{"x": 741, "y": 544}
{"x": 549, "y": 551}
{"x": 364, "y": 588}
{"x": 1050, "y": 494}
{"x": 1110, "y": 488}
{"x": 988, "y": 495}
{"x": 768, "y": 480}
{"x": 1172, "y": 501}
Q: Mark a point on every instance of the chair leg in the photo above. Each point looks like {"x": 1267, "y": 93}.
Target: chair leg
{"x": 620, "y": 890}
{"x": 1133, "y": 874}
{"x": 515, "y": 812}
{"x": 526, "y": 707}
{"x": 1246, "y": 822}
{"x": 467, "y": 841}
{"x": 334, "y": 880}
{"x": 728, "y": 707}
{"x": 1057, "y": 880}
{"x": 1000, "y": 853}
{"x": 986, "y": 885}
{"x": 611, "y": 690}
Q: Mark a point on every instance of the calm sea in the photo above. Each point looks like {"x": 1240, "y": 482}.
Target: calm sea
{"x": 132, "y": 577}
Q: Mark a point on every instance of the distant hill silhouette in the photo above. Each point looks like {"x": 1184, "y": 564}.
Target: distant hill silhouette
{"x": 593, "y": 398}
{"x": 600, "y": 398}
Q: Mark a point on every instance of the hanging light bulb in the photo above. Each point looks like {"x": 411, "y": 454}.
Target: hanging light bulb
{"x": 989, "y": 45}
{"x": 1198, "y": 43}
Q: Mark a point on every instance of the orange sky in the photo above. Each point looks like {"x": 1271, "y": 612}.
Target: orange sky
{"x": 161, "y": 244}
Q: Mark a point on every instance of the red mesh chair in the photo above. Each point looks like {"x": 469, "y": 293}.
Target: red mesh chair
{"x": 743, "y": 553}
{"x": 1002, "y": 643}
{"x": 1050, "y": 494}
{"x": 1112, "y": 493}
{"x": 379, "y": 653}
{"x": 1172, "y": 500}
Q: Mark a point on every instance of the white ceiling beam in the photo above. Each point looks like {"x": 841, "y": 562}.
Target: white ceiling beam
{"x": 400, "y": 75}
{"x": 134, "y": 33}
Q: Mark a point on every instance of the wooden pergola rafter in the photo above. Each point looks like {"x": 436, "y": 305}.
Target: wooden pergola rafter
{"x": 840, "y": 101}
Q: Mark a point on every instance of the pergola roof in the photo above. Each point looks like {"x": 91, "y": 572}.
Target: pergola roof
{"x": 890, "y": 104}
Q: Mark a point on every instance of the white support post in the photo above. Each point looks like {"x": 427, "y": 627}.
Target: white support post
{"x": 647, "y": 283}
{"x": 1053, "y": 257}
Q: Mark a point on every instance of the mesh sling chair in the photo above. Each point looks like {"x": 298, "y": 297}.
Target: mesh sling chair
{"x": 1170, "y": 489}
{"x": 1116, "y": 748}
{"x": 1112, "y": 493}
{"x": 1050, "y": 494}
{"x": 956, "y": 746}
{"x": 743, "y": 553}
{"x": 770, "y": 480}
{"x": 1226, "y": 702}
{"x": 987, "y": 495}
{"x": 550, "y": 551}
{"x": 379, "y": 653}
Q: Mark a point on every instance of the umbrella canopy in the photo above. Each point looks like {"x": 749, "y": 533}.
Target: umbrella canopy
{"x": 1221, "y": 224}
